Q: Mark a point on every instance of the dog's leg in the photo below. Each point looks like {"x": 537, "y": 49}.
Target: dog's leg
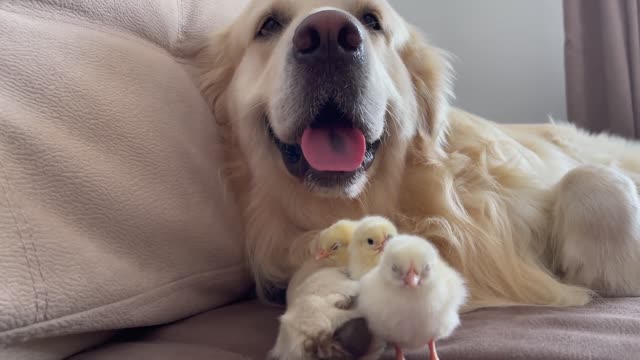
{"x": 596, "y": 230}
{"x": 290, "y": 344}
{"x": 307, "y": 329}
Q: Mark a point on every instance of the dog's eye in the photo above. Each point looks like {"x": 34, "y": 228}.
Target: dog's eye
{"x": 269, "y": 27}
{"x": 371, "y": 21}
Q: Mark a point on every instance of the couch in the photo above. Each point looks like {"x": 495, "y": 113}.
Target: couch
{"x": 117, "y": 238}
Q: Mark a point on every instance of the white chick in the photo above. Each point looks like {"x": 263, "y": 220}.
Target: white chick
{"x": 412, "y": 298}
{"x": 369, "y": 239}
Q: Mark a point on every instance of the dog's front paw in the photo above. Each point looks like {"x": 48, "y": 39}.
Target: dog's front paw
{"x": 352, "y": 340}
{"x": 324, "y": 346}
{"x": 343, "y": 302}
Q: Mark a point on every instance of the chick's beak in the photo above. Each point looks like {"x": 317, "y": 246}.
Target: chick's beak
{"x": 411, "y": 278}
{"x": 380, "y": 247}
{"x": 322, "y": 254}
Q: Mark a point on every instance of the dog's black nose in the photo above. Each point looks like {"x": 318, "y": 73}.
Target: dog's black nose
{"x": 327, "y": 35}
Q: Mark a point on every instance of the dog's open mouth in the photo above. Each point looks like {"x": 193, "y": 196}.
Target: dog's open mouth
{"x": 330, "y": 152}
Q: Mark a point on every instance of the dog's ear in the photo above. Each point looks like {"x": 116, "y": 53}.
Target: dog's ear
{"x": 216, "y": 61}
{"x": 432, "y": 75}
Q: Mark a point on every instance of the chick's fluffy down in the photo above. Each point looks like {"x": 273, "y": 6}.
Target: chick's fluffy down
{"x": 411, "y": 317}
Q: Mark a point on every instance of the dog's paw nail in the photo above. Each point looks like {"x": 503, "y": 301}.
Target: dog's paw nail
{"x": 324, "y": 337}
{"x": 344, "y": 304}
{"x": 309, "y": 346}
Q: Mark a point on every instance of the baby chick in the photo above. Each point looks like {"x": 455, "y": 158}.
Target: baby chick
{"x": 369, "y": 239}
{"x": 333, "y": 242}
{"x": 329, "y": 249}
{"x": 412, "y": 298}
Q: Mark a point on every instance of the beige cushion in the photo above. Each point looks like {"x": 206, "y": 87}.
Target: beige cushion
{"x": 111, "y": 210}
{"x": 605, "y": 329}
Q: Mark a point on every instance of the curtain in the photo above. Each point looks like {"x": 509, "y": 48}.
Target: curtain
{"x": 602, "y": 61}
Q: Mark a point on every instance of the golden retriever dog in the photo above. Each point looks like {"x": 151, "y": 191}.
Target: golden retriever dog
{"x": 333, "y": 109}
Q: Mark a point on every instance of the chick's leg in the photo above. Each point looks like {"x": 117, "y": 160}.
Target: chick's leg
{"x": 399, "y": 354}
{"x": 432, "y": 350}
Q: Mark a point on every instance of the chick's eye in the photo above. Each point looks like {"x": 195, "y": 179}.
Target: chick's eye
{"x": 395, "y": 269}
{"x": 269, "y": 27}
{"x": 370, "y": 241}
{"x": 371, "y": 21}
{"x": 335, "y": 247}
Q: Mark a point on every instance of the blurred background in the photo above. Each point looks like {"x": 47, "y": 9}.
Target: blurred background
{"x": 509, "y": 54}
{"x": 528, "y": 60}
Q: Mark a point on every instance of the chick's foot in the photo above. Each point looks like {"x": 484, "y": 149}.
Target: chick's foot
{"x": 399, "y": 354}
{"x": 432, "y": 350}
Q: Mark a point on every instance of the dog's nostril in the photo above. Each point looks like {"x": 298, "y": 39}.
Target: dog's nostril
{"x": 314, "y": 41}
{"x": 349, "y": 38}
{"x": 306, "y": 40}
{"x": 328, "y": 36}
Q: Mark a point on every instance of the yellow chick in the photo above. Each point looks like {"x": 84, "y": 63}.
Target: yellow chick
{"x": 333, "y": 243}
{"x": 369, "y": 239}
{"x": 329, "y": 250}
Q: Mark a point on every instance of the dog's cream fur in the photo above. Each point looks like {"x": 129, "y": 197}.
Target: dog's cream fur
{"x": 529, "y": 214}
{"x": 323, "y": 300}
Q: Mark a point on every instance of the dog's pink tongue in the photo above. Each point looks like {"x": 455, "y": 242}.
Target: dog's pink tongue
{"x": 336, "y": 149}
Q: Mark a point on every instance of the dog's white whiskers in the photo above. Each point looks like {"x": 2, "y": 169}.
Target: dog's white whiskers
{"x": 255, "y": 106}
{"x": 391, "y": 112}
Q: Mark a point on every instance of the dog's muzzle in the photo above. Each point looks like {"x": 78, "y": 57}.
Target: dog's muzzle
{"x": 331, "y": 142}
